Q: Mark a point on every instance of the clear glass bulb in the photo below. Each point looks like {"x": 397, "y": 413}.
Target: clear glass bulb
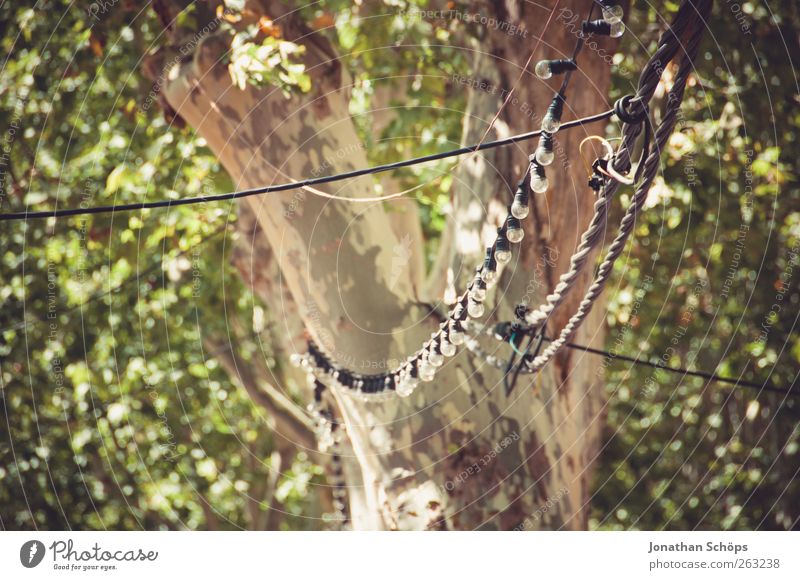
{"x": 544, "y": 156}
{"x": 519, "y": 210}
{"x": 407, "y": 385}
{"x": 447, "y": 348}
{"x": 543, "y": 70}
{"x": 426, "y": 372}
{"x": 489, "y": 276}
{"x": 296, "y": 359}
{"x": 435, "y": 359}
{"x": 550, "y": 124}
{"x": 613, "y": 14}
{"x": 478, "y": 293}
{"x": 325, "y": 441}
{"x": 455, "y": 336}
{"x": 617, "y": 29}
{"x": 502, "y": 257}
{"x": 539, "y": 184}
{"x": 515, "y": 235}
{"x": 475, "y": 309}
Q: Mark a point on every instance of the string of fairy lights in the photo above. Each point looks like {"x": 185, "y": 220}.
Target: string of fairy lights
{"x": 422, "y": 366}
{"x": 461, "y": 325}
{"x": 608, "y": 173}
{"x": 532, "y": 323}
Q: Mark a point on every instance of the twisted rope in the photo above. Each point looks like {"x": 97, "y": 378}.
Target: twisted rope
{"x": 634, "y": 113}
{"x": 662, "y": 134}
{"x": 632, "y": 126}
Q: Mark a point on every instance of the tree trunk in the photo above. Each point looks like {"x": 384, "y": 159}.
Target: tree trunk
{"x": 458, "y": 453}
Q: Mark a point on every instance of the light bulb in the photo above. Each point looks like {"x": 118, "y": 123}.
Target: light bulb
{"x": 552, "y": 119}
{"x": 325, "y": 441}
{"x": 475, "y": 309}
{"x": 515, "y": 235}
{"x": 543, "y": 70}
{"x": 477, "y": 293}
{"x": 544, "y": 155}
{"x": 407, "y": 385}
{"x": 539, "y": 184}
{"x": 435, "y": 359}
{"x": 604, "y": 27}
{"x": 519, "y": 209}
{"x": 454, "y": 334}
{"x": 296, "y": 359}
{"x": 447, "y": 348}
{"x": 502, "y": 257}
{"x": 488, "y": 271}
{"x": 426, "y": 372}
{"x": 550, "y": 124}
{"x": 502, "y": 250}
{"x": 617, "y": 29}
{"x": 613, "y": 14}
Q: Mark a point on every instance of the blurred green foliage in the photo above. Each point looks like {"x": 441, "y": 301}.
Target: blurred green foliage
{"x": 116, "y": 416}
{"x": 721, "y": 245}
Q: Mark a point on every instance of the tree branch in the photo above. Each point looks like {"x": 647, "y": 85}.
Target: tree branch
{"x": 288, "y": 422}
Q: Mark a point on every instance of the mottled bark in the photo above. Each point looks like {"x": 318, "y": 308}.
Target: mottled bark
{"x": 457, "y": 454}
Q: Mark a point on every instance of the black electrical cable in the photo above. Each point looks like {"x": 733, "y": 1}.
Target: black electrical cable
{"x": 509, "y": 379}
{"x": 684, "y": 371}
{"x": 25, "y": 215}
{"x": 575, "y": 52}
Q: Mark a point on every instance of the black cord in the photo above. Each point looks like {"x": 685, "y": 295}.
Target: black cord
{"x": 576, "y": 51}
{"x": 684, "y": 371}
{"x": 25, "y": 215}
{"x": 510, "y": 381}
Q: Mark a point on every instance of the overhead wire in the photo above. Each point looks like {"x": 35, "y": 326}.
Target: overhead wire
{"x": 469, "y": 149}
{"x": 264, "y": 189}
